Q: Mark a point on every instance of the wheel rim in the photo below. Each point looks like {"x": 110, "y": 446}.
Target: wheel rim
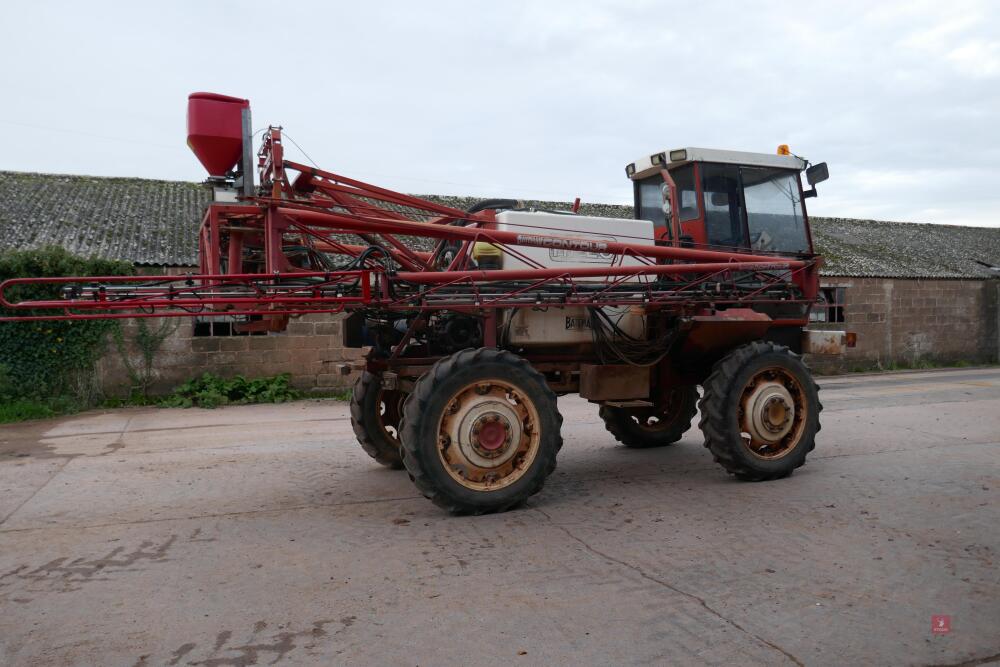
{"x": 390, "y": 413}
{"x": 772, "y": 413}
{"x": 489, "y": 435}
{"x": 660, "y": 417}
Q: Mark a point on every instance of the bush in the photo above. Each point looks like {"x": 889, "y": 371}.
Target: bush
{"x": 211, "y": 391}
{"x": 46, "y": 359}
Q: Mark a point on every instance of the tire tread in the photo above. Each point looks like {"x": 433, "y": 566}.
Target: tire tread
{"x": 719, "y": 433}
{"x": 415, "y": 408}
{"x": 618, "y": 424}
{"x": 384, "y": 453}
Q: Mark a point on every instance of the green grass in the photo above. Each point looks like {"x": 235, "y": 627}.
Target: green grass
{"x": 205, "y": 391}
{"x": 23, "y": 409}
{"x": 343, "y": 395}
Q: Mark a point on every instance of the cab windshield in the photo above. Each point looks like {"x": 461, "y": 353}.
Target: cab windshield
{"x": 755, "y": 207}
{"x": 774, "y": 210}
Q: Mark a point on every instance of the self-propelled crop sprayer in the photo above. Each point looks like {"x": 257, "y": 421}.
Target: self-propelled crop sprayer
{"x": 475, "y": 320}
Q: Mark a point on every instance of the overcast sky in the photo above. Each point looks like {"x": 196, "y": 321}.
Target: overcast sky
{"x": 526, "y": 99}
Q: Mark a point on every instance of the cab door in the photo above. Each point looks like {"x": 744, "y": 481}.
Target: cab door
{"x": 722, "y": 201}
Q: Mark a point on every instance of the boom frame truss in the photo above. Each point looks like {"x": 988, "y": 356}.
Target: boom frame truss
{"x": 302, "y": 216}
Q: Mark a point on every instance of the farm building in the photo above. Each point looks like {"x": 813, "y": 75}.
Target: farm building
{"x": 914, "y": 293}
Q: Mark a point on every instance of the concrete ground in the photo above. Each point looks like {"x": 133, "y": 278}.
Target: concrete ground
{"x": 263, "y": 535}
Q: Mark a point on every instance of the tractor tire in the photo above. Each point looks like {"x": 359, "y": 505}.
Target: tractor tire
{"x": 375, "y": 417}
{"x": 480, "y": 432}
{"x": 658, "y": 426}
{"x": 760, "y": 412}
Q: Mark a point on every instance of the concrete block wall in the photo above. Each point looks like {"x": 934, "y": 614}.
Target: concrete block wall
{"x": 309, "y": 350}
{"x": 908, "y": 321}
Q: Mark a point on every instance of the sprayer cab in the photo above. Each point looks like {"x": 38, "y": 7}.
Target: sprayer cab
{"x": 730, "y": 199}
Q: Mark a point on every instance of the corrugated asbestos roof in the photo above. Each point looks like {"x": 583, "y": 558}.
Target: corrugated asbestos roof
{"x": 905, "y": 249}
{"x": 156, "y": 223}
{"x": 131, "y": 219}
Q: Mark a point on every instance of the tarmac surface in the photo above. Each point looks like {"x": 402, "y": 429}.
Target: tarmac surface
{"x": 263, "y": 535}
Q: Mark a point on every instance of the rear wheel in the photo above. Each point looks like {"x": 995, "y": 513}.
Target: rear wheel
{"x": 760, "y": 412}
{"x": 655, "y": 426}
{"x": 375, "y": 417}
{"x": 480, "y": 432}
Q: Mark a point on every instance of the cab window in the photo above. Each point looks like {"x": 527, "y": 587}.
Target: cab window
{"x": 723, "y": 205}
{"x": 687, "y": 197}
{"x": 650, "y": 196}
{"x": 649, "y": 201}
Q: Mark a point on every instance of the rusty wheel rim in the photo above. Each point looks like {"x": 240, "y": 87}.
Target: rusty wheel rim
{"x": 489, "y": 435}
{"x": 390, "y": 413}
{"x": 772, "y": 413}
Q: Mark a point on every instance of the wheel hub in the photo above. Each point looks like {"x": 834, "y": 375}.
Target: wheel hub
{"x": 490, "y": 433}
{"x": 487, "y": 431}
{"x": 772, "y": 412}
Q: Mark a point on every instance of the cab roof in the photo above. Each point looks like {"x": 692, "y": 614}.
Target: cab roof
{"x": 650, "y": 164}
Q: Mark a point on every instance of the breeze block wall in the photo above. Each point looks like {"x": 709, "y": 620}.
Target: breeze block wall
{"x": 907, "y": 321}
{"x": 309, "y": 350}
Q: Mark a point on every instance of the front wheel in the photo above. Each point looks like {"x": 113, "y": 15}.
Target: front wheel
{"x": 480, "y": 431}
{"x": 760, "y": 412}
